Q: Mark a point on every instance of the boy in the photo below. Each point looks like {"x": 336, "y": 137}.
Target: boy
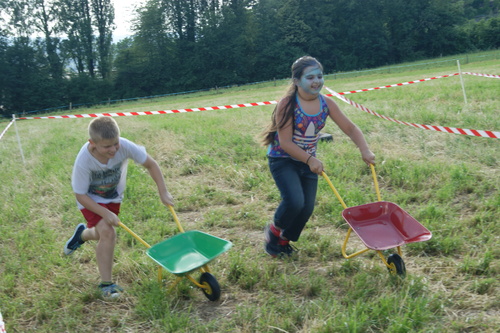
{"x": 98, "y": 181}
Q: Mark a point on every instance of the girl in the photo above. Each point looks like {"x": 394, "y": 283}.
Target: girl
{"x": 292, "y": 139}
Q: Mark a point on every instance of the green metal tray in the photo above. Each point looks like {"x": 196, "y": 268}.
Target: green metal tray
{"x": 187, "y": 251}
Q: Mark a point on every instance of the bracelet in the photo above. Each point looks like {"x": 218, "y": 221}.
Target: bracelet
{"x": 307, "y": 161}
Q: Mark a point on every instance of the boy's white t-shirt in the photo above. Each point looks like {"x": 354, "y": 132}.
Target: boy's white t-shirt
{"x": 105, "y": 183}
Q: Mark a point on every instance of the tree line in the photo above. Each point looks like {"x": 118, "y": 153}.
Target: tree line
{"x": 57, "y": 52}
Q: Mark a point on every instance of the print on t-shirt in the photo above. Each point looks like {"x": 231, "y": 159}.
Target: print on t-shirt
{"x": 306, "y": 130}
{"x": 104, "y": 182}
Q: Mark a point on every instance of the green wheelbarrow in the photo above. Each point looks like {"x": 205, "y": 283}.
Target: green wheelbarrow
{"x": 185, "y": 253}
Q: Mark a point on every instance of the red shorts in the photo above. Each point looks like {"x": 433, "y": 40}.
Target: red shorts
{"x": 92, "y": 218}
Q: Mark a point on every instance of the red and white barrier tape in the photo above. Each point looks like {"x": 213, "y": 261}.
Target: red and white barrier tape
{"x": 145, "y": 113}
{"x": 484, "y": 75}
{"x": 480, "y": 133}
{"x": 396, "y": 85}
{"x": 463, "y": 131}
{"x": 417, "y": 81}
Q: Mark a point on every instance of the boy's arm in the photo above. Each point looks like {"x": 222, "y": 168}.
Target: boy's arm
{"x": 154, "y": 170}
{"x": 107, "y": 215}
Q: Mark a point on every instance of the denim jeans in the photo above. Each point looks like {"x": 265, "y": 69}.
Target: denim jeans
{"x": 297, "y": 185}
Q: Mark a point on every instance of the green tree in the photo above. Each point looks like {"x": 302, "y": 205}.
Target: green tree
{"x": 228, "y": 46}
{"x": 294, "y": 30}
{"x": 437, "y": 34}
{"x": 88, "y": 24}
{"x": 476, "y": 9}
{"x": 27, "y": 70}
{"x": 146, "y": 64}
{"x": 485, "y": 34}
{"x": 39, "y": 17}
{"x": 184, "y": 16}
{"x": 271, "y": 61}
{"x": 104, "y": 15}
{"x": 77, "y": 21}
{"x": 4, "y": 72}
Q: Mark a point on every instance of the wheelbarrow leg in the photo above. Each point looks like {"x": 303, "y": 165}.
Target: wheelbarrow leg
{"x": 177, "y": 280}
{"x": 205, "y": 269}
{"x": 344, "y": 246}
{"x": 160, "y": 274}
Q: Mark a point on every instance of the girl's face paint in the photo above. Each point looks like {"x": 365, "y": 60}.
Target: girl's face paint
{"x": 311, "y": 81}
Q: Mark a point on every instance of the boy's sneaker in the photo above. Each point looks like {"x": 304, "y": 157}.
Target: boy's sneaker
{"x": 75, "y": 241}
{"x": 110, "y": 290}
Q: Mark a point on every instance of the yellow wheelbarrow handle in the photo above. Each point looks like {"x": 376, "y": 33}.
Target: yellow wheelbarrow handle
{"x": 374, "y": 175}
{"x": 176, "y": 219}
{"x": 375, "y": 182}
{"x": 140, "y": 239}
{"x": 134, "y": 234}
{"x": 334, "y": 189}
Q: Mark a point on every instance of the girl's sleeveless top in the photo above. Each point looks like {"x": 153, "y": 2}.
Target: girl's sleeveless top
{"x": 306, "y": 130}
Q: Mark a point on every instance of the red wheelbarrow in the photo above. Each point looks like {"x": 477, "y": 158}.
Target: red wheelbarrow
{"x": 185, "y": 253}
{"x": 381, "y": 226}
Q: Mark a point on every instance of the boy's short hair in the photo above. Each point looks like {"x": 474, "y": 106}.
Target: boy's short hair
{"x": 103, "y": 128}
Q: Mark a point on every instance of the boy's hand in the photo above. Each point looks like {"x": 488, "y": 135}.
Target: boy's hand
{"x": 368, "y": 157}
{"x": 167, "y": 199}
{"x": 155, "y": 172}
{"x": 111, "y": 218}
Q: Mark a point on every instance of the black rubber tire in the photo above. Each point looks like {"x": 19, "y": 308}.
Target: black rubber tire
{"x": 213, "y": 290}
{"x": 399, "y": 264}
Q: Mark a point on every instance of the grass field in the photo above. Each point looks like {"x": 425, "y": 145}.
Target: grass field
{"x": 218, "y": 174}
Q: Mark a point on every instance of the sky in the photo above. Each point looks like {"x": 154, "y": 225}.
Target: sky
{"x": 124, "y": 10}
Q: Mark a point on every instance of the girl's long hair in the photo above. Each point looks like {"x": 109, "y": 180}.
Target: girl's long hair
{"x": 297, "y": 70}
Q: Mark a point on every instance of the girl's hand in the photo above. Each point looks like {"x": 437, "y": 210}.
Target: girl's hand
{"x": 368, "y": 157}
{"x": 315, "y": 165}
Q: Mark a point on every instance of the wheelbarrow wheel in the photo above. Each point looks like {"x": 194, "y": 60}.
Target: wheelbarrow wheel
{"x": 211, "y": 287}
{"x": 397, "y": 265}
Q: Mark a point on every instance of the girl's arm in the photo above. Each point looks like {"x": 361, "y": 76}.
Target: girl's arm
{"x": 351, "y": 130}
{"x": 154, "y": 170}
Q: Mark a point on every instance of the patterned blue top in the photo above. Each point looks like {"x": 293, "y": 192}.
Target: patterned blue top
{"x": 305, "y": 132}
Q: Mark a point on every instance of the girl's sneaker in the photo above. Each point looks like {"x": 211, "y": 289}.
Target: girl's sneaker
{"x": 110, "y": 290}
{"x": 271, "y": 246}
{"x": 275, "y": 245}
{"x": 288, "y": 250}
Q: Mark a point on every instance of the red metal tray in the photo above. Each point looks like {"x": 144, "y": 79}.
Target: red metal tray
{"x": 384, "y": 225}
